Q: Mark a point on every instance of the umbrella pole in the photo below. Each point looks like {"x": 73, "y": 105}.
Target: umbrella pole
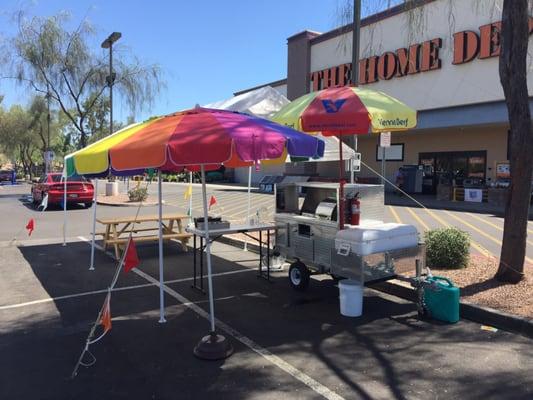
{"x": 249, "y": 204}
{"x": 190, "y": 199}
{"x": 340, "y": 215}
{"x": 212, "y": 346}
{"x": 65, "y": 204}
{"x": 161, "y": 279}
{"x": 208, "y": 251}
{"x": 91, "y": 267}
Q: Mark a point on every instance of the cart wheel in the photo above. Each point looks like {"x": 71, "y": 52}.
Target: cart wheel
{"x": 299, "y": 276}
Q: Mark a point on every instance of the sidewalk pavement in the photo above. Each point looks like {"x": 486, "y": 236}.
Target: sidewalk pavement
{"x": 431, "y": 202}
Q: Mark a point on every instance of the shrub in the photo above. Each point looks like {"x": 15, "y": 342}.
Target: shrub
{"x": 447, "y": 248}
{"x": 138, "y": 194}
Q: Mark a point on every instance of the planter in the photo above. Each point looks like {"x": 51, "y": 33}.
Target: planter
{"x": 111, "y": 189}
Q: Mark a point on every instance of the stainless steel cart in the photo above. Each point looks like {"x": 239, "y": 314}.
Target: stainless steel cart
{"x": 308, "y": 227}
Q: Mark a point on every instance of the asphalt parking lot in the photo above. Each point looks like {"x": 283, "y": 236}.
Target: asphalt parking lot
{"x": 286, "y": 343}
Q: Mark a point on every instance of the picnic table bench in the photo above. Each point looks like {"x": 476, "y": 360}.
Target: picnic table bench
{"x": 117, "y": 230}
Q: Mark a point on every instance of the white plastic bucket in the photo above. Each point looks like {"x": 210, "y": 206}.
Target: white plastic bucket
{"x": 351, "y": 298}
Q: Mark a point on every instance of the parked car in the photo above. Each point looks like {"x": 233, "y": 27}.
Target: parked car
{"x": 6, "y": 175}
{"x": 79, "y": 190}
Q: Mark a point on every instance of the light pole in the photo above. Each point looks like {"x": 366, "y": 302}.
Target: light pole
{"x": 47, "y": 152}
{"x": 110, "y": 79}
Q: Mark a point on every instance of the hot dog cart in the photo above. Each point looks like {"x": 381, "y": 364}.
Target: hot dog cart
{"x": 309, "y": 236}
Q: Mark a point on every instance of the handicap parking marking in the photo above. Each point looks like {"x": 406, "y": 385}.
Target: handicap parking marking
{"x": 316, "y": 386}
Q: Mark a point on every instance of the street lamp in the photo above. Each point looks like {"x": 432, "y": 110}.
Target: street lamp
{"x": 110, "y": 79}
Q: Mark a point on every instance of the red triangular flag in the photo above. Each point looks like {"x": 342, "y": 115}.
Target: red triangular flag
{"x": 212, "y": 201}
{"x": 30, "y": 226}
{"x": 105, "y": 314}
{"x": 131, "y": 260}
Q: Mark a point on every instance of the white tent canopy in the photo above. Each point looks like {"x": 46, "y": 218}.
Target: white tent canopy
{"x": 265, "y": 102}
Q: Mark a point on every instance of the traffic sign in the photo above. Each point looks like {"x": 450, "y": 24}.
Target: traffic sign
{"x": 385, "y": 139}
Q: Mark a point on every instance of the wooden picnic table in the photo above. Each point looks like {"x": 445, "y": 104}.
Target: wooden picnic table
{"x": 117, "y": 230}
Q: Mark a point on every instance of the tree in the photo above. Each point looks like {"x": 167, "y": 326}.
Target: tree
{"x": 55, "y": 61}
{"x": 513, "y": 77}
{"x": 18, "y": 139}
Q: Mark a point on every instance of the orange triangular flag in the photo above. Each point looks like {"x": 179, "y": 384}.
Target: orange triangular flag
{"x": 212, "y": 201}
{"x": 30, "y": 226}
{"x": 131, "y": 260}
{"x": 105, "y": 314}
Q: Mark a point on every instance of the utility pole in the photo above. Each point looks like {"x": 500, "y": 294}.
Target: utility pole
{"x": 355, "y": 41}
{"x": 356, "y": 30}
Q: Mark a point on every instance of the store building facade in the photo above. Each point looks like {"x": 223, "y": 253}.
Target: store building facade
{"x": 440, "y": 58}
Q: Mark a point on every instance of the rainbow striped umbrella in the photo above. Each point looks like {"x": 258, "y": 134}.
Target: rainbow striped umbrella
{"x": 188, "y": 139}
{"x": 198, "y": 138}
{"x": 346, "y": 111}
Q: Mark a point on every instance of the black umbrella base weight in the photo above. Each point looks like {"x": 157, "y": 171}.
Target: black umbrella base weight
{"x": 213, "y": 347}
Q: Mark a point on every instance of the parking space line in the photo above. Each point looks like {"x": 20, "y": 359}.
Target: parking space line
{"x": 269, "y": 356}
{"x": 493, "y": 225}
{"x": 424, "y": 225}
{"x": 498, "y": 242}
{"x": 482, "y": 250}
{"x": 395, "y": 215}
{"x": 116, "y": 289}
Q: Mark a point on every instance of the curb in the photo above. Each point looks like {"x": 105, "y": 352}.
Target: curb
{"x": 473, "y": 312}
{"x": 128, "y": 204}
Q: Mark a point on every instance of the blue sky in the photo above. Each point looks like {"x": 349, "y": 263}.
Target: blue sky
{"x": 207, "y": 49}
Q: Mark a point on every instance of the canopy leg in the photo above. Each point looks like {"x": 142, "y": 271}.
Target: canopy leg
{"x": 91, "y": 268}
{"x": 213, "y": 346}
{"x": 249, "y": 204}
{"x": 161, "y": 278}
{"x": 65, "y": 204}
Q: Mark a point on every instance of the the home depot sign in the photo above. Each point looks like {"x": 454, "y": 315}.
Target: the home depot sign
{"x": 421, "y": 57}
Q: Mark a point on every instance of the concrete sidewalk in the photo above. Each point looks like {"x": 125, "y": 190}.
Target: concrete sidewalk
{"x": 429, "y": 201}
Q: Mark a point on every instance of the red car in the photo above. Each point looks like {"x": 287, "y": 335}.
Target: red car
{"x": 79, "y": 190}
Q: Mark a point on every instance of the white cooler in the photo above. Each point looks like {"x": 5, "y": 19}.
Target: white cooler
{"x": 370, "y": 239}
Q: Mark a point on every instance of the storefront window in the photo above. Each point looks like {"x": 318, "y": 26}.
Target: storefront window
{"x": 452, "y": 167}
{"x": 476, "y": 167}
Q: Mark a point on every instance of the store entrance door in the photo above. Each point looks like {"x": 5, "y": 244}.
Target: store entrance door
{"x": 451, "y": 168}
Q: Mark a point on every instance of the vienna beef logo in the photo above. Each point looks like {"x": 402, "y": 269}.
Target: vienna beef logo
{"x": 394, "y": 122}
{"x": 331, "y": 106}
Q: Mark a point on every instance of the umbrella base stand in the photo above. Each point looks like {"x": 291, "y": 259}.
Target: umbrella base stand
{"x": 213, "y": 347}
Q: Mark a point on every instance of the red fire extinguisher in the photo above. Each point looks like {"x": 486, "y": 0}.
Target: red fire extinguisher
{"x": 355, "y": 210}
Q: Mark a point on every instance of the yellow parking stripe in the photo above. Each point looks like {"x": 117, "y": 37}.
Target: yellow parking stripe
{"x": 473, "y": 243}
{"x": 395, "y": 215}
{"x": 493, "y": 225}
{"x": 418, "y": 219}
{"x": 498, "y": 242}
{"x": 439, "y": 219}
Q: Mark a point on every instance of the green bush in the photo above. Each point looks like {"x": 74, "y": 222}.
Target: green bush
{"x": 447, "y": 248}
{"x": 138, "y": 194}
